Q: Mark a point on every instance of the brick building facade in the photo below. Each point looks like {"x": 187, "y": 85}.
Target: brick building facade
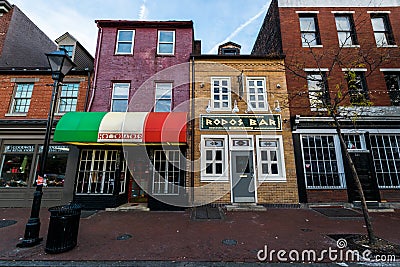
{"x": 323, "y": 41}
{"x": 26, "y": 89}
{"x": 132, "y": 141}
{"x": 242, "y": 137}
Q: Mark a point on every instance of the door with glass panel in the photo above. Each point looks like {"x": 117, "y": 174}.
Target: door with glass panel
{"x": 243, "y": 187}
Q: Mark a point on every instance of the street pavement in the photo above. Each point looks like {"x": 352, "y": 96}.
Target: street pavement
{"x": 139, "y": 238}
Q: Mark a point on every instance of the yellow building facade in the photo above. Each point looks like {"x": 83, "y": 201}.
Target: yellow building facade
{"x": 242, "y": 141}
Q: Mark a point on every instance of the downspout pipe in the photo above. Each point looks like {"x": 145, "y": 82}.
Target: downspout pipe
{"x": 96, "y": 67}
{"x": 192, "y": 125}
{"x": 88, "y": 89}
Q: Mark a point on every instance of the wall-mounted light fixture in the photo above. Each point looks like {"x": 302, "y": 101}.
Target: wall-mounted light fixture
{"x": 278, "y": 85}
{"x": 235, "y": 107}
{"x": 208, "y": 108}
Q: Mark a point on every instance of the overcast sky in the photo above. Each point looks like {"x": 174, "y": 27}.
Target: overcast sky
{"x": 215, "y": 21}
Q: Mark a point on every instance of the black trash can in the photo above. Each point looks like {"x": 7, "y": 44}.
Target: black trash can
{"x": 63, "y": 228}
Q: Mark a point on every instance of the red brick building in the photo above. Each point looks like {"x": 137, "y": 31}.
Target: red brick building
{"x": 323, "y": 41}
{"x": 26, "y": 89}
{"x": 135, "y": 130}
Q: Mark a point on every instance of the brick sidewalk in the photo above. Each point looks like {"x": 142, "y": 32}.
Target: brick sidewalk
{"x": 174, "y": 236}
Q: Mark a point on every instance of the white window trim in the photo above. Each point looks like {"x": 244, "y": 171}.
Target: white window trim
{"x": 307, "y": 12}
{"x": 158, "y": 43}
{"x": 266, "y": 107}
{"x": 354, "y": 69}
{"x": 378, "y": 12}
{"x": 229, "y": 108}
{"x": 389, "y": 70}
{"x": 281, "y": 159}
{"x": 112, "y": 94}
{"x": 343, "y": 12}
{"x": 241, "y": 148}
{"x": 316, "y": 69}
{"x": 224, "y": 177}
{"x": 133, "y": 42}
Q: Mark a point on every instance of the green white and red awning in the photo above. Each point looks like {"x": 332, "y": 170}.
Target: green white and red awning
{"x": 121, "y": 127}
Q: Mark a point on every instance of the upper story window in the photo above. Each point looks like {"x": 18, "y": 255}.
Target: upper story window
{"x": 163, "y": 97}
{"x": 317, "y": 90}
{"x": 120, "y": 97}
{"x": 68, "y": 48}
{"x": 346, "y": 30}
{"x": 221, "y": 93}
{"x": 309, "y": 30}
{"x": 256, "y": 94}
{"x": 357, "y": 85}
{"x": 166, "y": 43}
{"x": 22, "y": 98}
{"x": 68, "y": 97}
{"x": 125, "y": 42}
{"x": 382, "y": 30}
{"x": 393, "y": 86}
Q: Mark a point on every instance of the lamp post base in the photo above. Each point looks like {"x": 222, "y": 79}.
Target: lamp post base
{"x": 31, "y": 237}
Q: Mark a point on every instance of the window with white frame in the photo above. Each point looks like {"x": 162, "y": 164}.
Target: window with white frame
{"x": 125, "y": 42}
{"x": 163, "y": 101}
{"x": 214, "y": 158}
{"x": 167, "y": 172}
{"x": 346, "y": 30}
{"x": 317, "y": 90}
{"x": 22, "y": 98}
{"x": 271, "y": 164}
{"x": 166, "y": 43}
{"x": 256, "y": 94}
{"x": 97, "y": 171}
{"x": 323, "y": 167}
{"x": 309, "y": 30}
{"x": 221, "y": 93}
{"x": 386, "y": 156}
{"x": 120, "y": 97}
{"x": 382, "y": 29}
{"x": 68, "y": 97}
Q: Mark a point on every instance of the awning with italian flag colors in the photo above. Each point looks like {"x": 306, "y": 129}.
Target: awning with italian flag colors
{"x": 121, "y": 127}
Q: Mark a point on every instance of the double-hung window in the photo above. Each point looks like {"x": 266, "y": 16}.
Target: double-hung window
{"x": 346, "y": 30}
{"x": 125, "y": 42}
{"x": 120, "y": 97}
{"x": 214, "y": 156}
{"x": 68, "y": 48}
{"x": 382, "y": 30}
{"x": 317, "y": 90}
{"x": 271, "y": 165}
{"x": 22, "y": 98}
{"x": 163, "y": 97}
{"x": 309, "y": 30}
{"x": 221, "y": 93}
{"x": 393, "y": 86}
{"x": 256, "y": 94}
{"x": 166, "y": 43}
{"x": 68, "y": 97}
{"x": 357, "y": 85}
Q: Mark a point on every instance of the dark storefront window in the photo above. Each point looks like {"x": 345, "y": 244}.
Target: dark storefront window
{"x": 16, "y": 165}
{"x": 167, "y": 172}
{"x": 322, "y": 167}
{"x": 386, "y": 155}
{"x": 56, "y": 165}
{"x": 97, "y": 171}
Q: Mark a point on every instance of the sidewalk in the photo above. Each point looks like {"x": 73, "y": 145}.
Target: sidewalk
{"x": 174, "y": 236}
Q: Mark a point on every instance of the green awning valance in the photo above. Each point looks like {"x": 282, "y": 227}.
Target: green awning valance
{"x": 78, "y": 127}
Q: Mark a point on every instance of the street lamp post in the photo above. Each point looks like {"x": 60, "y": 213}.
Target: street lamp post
{"x": 60, "y": 64}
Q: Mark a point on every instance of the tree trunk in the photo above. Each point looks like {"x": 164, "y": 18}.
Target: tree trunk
{"x": 367, "y": 218}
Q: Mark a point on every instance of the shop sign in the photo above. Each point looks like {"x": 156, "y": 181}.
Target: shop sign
{"x": 241, "y": 122}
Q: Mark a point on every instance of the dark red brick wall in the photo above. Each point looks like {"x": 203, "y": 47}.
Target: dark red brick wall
{"x": 139, "y": 67}
{"x": 298, "y": 57}
{"x": 41, "y": 96}
{"x": 320, "y": 196}
{"x": 390, "y": 195}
